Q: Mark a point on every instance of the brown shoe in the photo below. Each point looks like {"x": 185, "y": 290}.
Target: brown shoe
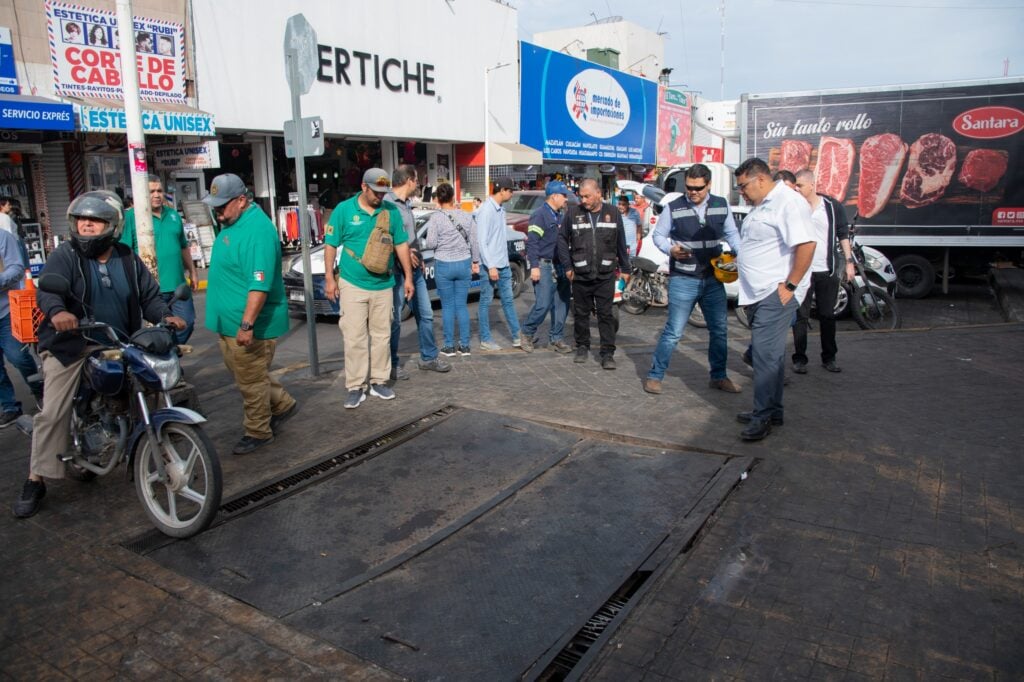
{"x": 652, "y": 385}
{"x": 724, "y": 385}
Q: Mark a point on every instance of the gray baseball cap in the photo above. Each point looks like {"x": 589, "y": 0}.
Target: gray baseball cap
{"x": 223, "y": 189}
{"x": 377, "y": 179}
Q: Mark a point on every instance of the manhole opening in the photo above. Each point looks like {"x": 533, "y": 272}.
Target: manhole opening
{"x": 154, "y": 539}
{"x": 572, "y": 653}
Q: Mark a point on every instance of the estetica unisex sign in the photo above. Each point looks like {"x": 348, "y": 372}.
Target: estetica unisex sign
{"x": 366, "y": 69}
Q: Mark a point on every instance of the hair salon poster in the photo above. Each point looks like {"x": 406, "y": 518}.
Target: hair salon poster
{"x": 86, "y": 56}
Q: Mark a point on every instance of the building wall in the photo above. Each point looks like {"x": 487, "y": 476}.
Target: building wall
{"x": 641, "y": 52}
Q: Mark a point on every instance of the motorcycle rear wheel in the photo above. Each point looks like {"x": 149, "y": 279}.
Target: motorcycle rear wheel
{"x": 697, "y": 317}
{"x": 631, "y": 297}
{"x": 874, "y": 309}
{"x": 188, "y": 502}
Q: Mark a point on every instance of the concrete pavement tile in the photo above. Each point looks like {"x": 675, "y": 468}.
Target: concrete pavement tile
{"x": 837, "y": 657}
{"x": 824, "y": 671}
{"x": 88, "y": 668}
{"x": 802, "y": 648}
{"x": 792, "y": 667}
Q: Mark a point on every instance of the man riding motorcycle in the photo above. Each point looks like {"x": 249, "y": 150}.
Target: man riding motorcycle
{"x": 107, "y": 282}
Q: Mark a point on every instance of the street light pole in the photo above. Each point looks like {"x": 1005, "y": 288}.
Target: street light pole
{"x": 487, "y": 127}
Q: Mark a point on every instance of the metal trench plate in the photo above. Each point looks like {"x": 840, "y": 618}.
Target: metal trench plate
{"x": 466, "y": 552}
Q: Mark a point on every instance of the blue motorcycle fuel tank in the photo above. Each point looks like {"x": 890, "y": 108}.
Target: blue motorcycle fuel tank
{"x": 105, "y": 372}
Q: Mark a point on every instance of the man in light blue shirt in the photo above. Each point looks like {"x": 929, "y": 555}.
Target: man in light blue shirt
{"x": 630, "y": 223}
{"x": 12, "y": 274}
{"x": 490, "y": 229}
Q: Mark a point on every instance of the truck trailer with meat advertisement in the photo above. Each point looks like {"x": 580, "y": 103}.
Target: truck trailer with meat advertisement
{"x": 933, "y": 171}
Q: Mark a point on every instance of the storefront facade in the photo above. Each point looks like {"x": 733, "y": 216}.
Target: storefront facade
{"x": 395, "y": 83}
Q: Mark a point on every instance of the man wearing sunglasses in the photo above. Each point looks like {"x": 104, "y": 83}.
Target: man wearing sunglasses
{"x": 106, "y": 281}
{"x": 690, "y": 230}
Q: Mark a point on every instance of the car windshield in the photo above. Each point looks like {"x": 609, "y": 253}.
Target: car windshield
{"x": 524, "y": 203}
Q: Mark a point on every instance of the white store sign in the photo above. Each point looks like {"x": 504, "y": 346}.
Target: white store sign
{"x": 386, "y": 69}
{"x": 192, "y": 156}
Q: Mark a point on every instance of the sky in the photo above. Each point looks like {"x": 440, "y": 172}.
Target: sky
{"x": 792, "y": 45}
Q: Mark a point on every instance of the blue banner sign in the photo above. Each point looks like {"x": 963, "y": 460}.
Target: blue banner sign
{"x": 578, "y": 111}
{"x": 29, "y": 113}
{"x": 8, "y": 68}
{"x": 110, "y": 120}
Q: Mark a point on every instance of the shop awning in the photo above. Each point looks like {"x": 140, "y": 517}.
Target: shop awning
{"x": 107, "y": 116}
{"x": 25, "y": 112}
{"x": 512, "y": 154}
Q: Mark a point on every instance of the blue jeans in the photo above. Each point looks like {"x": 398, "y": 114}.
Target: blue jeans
{"x": 421, "y": 310}
{"x": 186, "y": 310}
{"x": 453, "y": 278}
{"x": 19, "y": 357}
{"x": 508, "y": 305}
{"x": 769, "y": 325}
{"x": 550, "y": 295}
{"x": 683, "y": 293}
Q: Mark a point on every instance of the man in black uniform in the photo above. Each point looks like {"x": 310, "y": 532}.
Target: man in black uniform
{"x": 592, "y": 245}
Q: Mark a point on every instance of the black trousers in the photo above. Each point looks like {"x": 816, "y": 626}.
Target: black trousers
{"x": 588, "y": 295}
{"x": 824, "y": 287}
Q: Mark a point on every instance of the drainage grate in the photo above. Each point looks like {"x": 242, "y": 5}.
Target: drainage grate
{"x": 384, "y": 441}
{"x": 154, "y": 539}
{"x": 572, "y": 653}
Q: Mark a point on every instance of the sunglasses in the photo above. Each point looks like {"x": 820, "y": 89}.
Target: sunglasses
{"x": 105, "y": 275}
{"x": 690, "y": 188}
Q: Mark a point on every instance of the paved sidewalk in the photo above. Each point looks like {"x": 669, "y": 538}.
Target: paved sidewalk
{"x": 879, "y": 535}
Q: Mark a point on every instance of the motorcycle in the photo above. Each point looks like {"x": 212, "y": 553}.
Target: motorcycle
{"x": 173, "y": 462}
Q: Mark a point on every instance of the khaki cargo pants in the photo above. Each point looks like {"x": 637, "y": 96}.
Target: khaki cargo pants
{"x": 262, "y": 394}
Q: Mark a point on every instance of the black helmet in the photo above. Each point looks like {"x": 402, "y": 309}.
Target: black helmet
{"x": 100, "y": 205}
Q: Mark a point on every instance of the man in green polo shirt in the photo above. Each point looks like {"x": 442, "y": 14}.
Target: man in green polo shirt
{"x": 173, "y": 257}
{"x": 366, "y": 298}
{"x": 246, "y": 307}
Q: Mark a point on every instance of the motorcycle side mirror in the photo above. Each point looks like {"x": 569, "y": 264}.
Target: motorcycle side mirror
{"x": 52, "y": 283}
{"x": 182, "y": 293}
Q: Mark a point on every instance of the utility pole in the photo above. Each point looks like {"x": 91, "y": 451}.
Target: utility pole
{"x": 721, "y": 75}
{"x": 136, "y": 138}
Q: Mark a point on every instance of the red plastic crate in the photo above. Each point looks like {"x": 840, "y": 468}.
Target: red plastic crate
{"x": 25, "y": 316}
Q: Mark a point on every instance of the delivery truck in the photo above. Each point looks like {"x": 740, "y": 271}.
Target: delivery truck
{"x": 933, "y": 172}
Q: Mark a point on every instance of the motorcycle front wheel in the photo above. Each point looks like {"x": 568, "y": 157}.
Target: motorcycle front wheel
{"x": 874, "y": 308}
{"x": 188, "y": 501}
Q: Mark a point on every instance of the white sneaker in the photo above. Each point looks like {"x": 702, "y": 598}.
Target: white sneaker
{"x": 489, "y": 346}
{"x": 382, "y": 391}
{"x": 354, "y": 399}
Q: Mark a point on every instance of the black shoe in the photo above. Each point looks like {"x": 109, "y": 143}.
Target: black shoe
{"x": 8, "y": 418}
{"x": 32, "y": 494}
{"x": 581, "y": 354}
{"x": 800, "y": 367}
{"x": 248, "y": 444}
{"x": 756, "y": 430}
{"x": 746, "y": 417}
{"x": 832, "y": 366}
{"x": 747, "y": 359}
{"x": 607, "y": 362}
{"x": 278, "y": 419}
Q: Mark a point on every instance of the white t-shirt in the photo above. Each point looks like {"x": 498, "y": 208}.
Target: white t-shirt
{"x": 820, "y": 220}
{"x": 7, "y": 223}
{"x": 771, "y": 231}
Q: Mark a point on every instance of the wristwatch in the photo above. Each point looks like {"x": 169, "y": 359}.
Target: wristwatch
{"x": 246, "y": 327}
{"x": 790, "y": 286}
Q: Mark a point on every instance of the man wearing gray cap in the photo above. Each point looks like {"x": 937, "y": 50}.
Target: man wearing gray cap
{"x": 246, "y": 307}
{"x": 490, "y": 230}
{"x": 364, "y": 291}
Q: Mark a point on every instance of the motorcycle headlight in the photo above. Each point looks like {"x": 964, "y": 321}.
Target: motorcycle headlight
{"x": 872, "y": 261}
{"x": 168, "y": 369}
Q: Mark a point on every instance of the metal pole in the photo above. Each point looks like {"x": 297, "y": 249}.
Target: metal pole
{"x": 136, "y": 139}
{"x": 305, "y": 227}
{"x": 487, "y": 130}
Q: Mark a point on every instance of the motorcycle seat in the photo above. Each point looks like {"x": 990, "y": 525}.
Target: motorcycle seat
{"x": 645, "y": 265}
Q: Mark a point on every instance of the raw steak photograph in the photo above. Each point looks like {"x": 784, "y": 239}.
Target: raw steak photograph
{"x": 931, "y": 165}
{"x": 835, "y": 166}
{"x": 881, "y": 160}
{"x": 795, "y": 156}
{"x": 983, "y": 169}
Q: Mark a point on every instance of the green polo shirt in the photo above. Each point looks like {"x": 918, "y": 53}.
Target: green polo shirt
{"x": 350, "y": 226}
{"x": 246, "y": 257}
{"x": 169, "y": 240}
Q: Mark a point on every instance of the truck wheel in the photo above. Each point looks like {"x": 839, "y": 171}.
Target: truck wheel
{"x": 518, "y": 279}
{"x": 915, "y": 276}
